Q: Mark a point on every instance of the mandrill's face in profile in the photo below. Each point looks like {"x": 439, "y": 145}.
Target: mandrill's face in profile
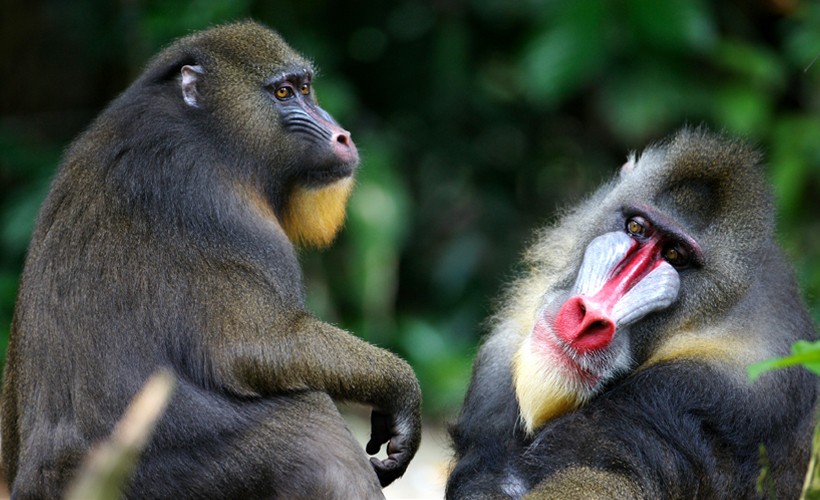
{"x": 306, "y": 160}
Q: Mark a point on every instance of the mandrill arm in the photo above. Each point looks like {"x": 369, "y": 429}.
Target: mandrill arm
{"x": 314, "y": 355}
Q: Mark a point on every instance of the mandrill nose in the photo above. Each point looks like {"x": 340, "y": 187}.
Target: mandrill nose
{"x": 343, "y": 138}
{"x": 584, "y": 325}
{"x": 343, "y": 147}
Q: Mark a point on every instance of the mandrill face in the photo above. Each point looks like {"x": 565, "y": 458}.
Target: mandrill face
{"x": 580, "y": 338}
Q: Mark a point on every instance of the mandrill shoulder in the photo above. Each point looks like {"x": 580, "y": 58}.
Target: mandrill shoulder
{"x": 748, "y": 333}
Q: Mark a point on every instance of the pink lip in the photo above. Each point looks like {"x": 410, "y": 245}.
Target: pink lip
{"x": 545, "y": 343}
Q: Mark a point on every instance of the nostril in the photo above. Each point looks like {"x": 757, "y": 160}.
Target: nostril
{"x": 598, "y": 334}
{"x": 343, "y": 147}
{"x": 599, "y": 326}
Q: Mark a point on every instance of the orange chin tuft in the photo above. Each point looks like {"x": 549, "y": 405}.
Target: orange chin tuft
{"x": 313, "y": 216}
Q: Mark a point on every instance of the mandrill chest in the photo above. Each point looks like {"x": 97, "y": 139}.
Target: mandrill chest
{"x": 580, "y": 338}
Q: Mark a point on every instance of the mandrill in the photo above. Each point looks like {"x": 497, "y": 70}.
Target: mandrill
{"x": 167, "y": 241}
{"x": 617, "y": 365}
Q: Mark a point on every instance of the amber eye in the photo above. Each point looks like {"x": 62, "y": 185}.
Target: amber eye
{"x": 635, "y": 228}
{"x": 305, "y": 89}
{"x": 283, "y": 92}
{"x": 676, "y": 255}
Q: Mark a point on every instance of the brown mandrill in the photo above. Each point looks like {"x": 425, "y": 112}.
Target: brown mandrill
{"x": 617, "y": 364}
{"x": 167, "y": 240}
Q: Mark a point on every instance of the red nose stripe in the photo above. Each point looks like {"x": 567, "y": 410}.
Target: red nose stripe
{"x": 586, "y": 323}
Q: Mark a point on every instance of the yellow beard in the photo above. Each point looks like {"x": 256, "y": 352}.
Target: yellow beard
{"x": 543, "y": 391}
{"x": 313, "y": 216}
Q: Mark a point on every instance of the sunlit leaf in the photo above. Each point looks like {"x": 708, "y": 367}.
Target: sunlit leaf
{"x": 804, "y": 353}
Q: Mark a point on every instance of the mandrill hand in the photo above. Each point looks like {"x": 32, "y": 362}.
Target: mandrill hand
{"x": 402, "y": 435}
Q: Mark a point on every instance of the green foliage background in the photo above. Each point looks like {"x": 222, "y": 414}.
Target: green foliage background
{"x": 476, "y": 120}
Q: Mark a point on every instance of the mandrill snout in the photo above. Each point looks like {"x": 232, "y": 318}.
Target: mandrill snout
{"x": 584, "y": 325}
{"x": 343, "y": 147}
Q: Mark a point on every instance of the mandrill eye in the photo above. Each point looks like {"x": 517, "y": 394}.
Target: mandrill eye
{"x": 676, "y": 255}
{"x": 283, "y": 92}
{"x": 635, "y": 227}
{"x": 305, "y": 89}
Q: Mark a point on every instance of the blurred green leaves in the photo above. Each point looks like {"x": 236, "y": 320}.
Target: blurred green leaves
{"x": 674, "y": 25}
{"x": 566, "y": 52}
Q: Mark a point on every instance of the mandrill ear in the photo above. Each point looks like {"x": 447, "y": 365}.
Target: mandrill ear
{"x": 629, "y": 166}
{"x": 190, "y": 77}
